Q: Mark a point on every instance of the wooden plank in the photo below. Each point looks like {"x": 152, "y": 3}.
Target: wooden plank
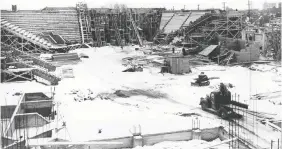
{"x": 272, "y": 125}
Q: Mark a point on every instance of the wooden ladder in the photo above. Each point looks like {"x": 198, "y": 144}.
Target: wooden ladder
{"x": 83, "y": 22}
{"x": 135, "y": 28}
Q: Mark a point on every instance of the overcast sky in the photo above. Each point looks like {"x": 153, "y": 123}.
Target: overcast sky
{"x": 178, "y": 4}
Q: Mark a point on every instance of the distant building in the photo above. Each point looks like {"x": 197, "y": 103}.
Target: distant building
{"x": 268, "y": 5}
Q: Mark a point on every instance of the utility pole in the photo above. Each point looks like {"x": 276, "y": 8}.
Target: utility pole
{"x": 223, "y": 5}
{"x": 198, "y": 6}
{"x": 184, "y": 7}
{"x": 249, "y": 9}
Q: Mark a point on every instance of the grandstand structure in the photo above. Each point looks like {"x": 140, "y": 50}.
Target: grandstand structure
{"x": 199, "y": 27}
{"x": 211, "y": 25}
{"x": 174, "y": 22}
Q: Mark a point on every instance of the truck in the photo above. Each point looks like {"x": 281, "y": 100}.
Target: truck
{"x": 220, "y": 103}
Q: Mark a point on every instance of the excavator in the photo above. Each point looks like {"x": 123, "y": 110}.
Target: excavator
{"x": 220, "y": 103}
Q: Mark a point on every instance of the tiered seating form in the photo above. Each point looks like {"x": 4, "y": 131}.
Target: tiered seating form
{"x": 25, "y": 34}
{"x": 198, "y": 22}
{"x": 194, "y": 16}
{"x": 63, "y": 21}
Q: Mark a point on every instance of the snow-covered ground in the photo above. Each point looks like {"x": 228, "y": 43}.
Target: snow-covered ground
{"x": 115, "y": 116}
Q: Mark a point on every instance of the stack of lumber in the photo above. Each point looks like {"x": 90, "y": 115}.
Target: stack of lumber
{"x": 65, "y": 57}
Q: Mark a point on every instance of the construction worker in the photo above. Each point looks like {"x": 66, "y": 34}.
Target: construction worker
{"x": 183, "y": 51}
{"x": 223, "y": 89}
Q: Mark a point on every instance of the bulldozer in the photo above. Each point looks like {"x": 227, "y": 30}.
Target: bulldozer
{"x": 220, "y": 103}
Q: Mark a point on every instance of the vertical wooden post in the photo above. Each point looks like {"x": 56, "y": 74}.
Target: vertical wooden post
{"x": 137, "y": 137}
{"x": 271, "y": 144}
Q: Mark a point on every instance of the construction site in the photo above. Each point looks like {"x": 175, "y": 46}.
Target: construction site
{"x": 143, "y": 78}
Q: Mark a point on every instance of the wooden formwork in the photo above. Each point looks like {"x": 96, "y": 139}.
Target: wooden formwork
{"x": 123, "y": 27}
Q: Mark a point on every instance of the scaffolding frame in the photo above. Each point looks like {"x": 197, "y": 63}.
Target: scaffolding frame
{"x": 213, "y": 25}
{"x": 123, "y": 27}
{"x": 12, "y": 39}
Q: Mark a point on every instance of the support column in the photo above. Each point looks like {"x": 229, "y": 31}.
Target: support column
{"x": 196, "y": 131}
{"x": 137, "y": 137}
{"x": 196, "y": 134}
{"x": 137, "y": 141}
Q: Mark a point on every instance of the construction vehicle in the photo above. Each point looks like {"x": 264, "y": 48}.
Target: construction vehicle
{"x": 201, "y": 83}
{"x": 202, "y": 80}
{"x": 220, "y": 103}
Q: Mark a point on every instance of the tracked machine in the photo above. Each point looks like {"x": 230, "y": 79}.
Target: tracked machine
{"x": 220, "y": 103}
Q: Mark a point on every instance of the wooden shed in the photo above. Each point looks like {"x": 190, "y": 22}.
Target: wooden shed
{"x": 179, "y": 64}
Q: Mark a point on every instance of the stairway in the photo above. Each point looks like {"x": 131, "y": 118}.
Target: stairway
{"x": 22, "y": 33}
{"x": 135, "y": 28}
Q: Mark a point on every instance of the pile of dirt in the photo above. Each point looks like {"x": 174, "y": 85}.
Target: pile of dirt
{"x": 88, "y": 94}
{"x": 139, "y": 92}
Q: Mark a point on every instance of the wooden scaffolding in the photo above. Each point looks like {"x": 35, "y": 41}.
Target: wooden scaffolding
{"x": 211, "y": 25}
{"x": 123, "y": 27}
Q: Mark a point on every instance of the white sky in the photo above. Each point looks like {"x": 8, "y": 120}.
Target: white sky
{"x": 178, "y": 4}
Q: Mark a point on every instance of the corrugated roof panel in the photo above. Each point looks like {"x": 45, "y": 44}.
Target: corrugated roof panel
{"x": 208, "y": 50}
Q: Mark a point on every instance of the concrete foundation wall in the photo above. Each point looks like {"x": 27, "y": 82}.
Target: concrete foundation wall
{"x": 127, "y": 142}
{"x": 37, "y": 104}
{"x": 21, "y": 120}
{"x": 29, "y": 120}
{"x": 173, "y": 136}
{"x": 7, "y": 111}
{"x": 35, "y": 96}
{"x": 151, "y": 139}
